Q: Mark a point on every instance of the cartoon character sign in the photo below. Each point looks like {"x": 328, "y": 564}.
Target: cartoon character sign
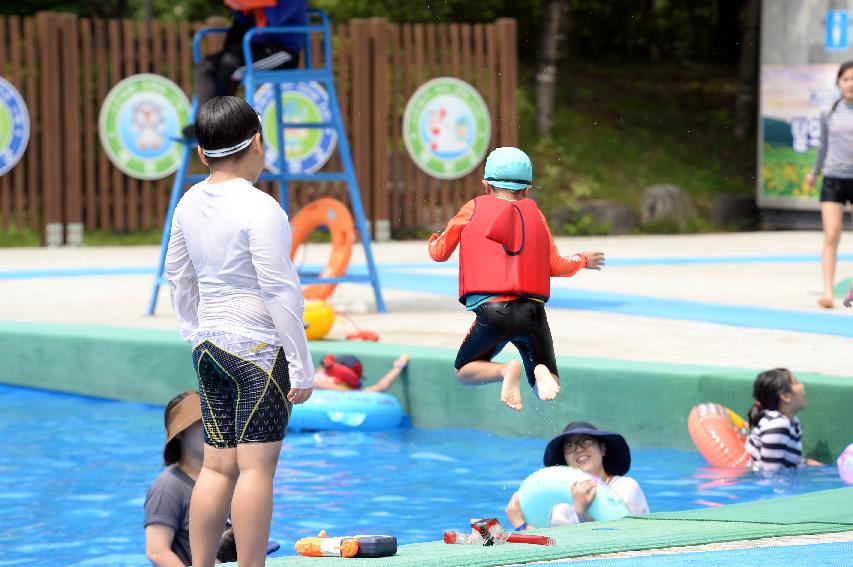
{"x": 446, "y": 128}
{"x": 148, "y": 124}
{"x": 140, "y": 123}
{"x": 306, "y": 149}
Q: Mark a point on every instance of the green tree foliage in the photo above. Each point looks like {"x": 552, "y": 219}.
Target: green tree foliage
{"x": 628, "y": 30}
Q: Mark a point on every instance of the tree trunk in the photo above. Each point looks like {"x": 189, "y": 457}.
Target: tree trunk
{"x": 745, "y": 103}
{"x": 555, "y": 20}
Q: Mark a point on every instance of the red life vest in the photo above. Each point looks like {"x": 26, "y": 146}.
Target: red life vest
{"x": 505, "y": 250}
{"x": 254, "y": 7}
{"x": 343, "y": 369}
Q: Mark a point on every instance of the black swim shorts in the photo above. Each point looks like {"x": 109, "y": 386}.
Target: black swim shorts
{"x": 240, "y": 401}
{"x": 521, "y": 322}
{"x": 836, "y": 190}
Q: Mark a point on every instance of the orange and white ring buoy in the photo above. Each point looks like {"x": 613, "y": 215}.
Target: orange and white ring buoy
{"x": 719, "y": 434}
{"x": 335, "y": 215}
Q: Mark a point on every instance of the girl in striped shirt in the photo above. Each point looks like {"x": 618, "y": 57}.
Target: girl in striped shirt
{"x": 774, "y": 439}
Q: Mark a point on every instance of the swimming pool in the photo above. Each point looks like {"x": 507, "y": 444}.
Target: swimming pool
{"x": 74, "y": 472}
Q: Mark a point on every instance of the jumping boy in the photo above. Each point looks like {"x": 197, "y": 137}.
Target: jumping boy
{"x": 506, "y": 259}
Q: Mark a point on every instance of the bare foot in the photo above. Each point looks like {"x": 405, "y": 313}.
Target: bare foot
{"x": 511, "y": 389}
{"x": 826, "y": 302}
{"x": 547, "y": 387}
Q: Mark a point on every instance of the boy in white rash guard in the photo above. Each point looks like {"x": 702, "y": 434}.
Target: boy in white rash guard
{"x": 238, "y": 300}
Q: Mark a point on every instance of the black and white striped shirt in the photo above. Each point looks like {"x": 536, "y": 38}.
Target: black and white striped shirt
{"x": 775, "y": 442}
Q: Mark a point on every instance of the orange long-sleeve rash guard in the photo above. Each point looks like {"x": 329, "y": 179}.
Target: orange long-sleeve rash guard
{"x": 441, "y": 246}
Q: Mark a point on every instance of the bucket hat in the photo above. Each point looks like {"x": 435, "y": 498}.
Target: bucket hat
{"x": 617, "y": 457}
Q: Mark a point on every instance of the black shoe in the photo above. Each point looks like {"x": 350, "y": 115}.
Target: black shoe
{"x": 189, "y": 131}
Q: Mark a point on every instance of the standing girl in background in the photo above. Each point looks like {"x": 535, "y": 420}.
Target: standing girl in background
{"x": 775, "y": 434}
{"x": 835, "y": 158}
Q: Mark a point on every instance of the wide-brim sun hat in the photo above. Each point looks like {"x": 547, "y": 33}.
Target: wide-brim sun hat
{"x": 182, "y": 416}
{"x": 617, "y": 457}
{"x": 508, "y": 168}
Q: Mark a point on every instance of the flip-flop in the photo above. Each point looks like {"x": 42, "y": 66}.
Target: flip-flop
{"x": 826, "y": 303}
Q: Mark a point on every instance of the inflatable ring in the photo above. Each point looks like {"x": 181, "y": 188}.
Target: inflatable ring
{"x": 719, "y": 434}
{"x": 550, "y": 486}
{"x": 335, "y": 215}
{"x": 334, "y": 410}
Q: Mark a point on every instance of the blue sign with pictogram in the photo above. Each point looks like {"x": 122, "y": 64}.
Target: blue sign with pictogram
{"x": 837, "y": 36}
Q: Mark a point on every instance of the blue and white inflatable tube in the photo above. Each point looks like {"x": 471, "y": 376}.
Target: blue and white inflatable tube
{"x": 550, "y": 486}
{"x": 332, "y": 410}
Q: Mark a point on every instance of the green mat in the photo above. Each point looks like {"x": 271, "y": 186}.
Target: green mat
{"x": 815, "y": 513}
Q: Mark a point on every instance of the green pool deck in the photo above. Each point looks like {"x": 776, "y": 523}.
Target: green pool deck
{"x": 823, "y": 512}
{"x": 647, "y": 402}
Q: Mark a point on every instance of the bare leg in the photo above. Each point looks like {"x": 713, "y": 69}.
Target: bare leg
{"x": 547, "y": 384}
{"x": 209, "y": 503}
{"x": 481, "y": 372}
{"x": 832, "y": 216}
{"x": 251, "y": 510}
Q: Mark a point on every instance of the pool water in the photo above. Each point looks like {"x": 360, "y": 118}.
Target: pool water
{"x": 74, "y": 472}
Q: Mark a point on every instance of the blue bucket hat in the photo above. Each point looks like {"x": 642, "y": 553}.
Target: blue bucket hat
{"x": 508, "y": 168}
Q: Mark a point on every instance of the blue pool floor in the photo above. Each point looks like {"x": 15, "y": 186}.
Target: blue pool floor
{"x": 74, "y": 472}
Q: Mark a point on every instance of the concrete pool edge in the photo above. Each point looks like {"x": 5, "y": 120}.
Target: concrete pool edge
{"x": 647, "y": 402}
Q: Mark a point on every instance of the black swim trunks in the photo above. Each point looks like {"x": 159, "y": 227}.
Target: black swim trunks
{"x": 836, "y": 190}
{"x": 521, "y": 322}
{"x": 240, "y": 401}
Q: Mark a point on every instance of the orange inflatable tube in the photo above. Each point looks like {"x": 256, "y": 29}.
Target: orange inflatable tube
{"x": 719, "y": 434}
{"x": 336, "y": 216}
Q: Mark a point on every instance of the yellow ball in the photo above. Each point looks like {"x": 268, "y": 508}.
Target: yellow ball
{"x": 319, "y": 316}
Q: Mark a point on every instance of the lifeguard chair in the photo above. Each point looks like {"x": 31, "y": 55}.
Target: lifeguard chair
{"x": 251, "y": 80}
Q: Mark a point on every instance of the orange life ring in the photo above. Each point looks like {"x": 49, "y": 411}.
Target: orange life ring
{"x": 335, "y": 215}
{"x": 719, "y": 434}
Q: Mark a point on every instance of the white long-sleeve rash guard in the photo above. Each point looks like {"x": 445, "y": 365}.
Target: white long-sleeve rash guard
{"x": 229, "y": 270}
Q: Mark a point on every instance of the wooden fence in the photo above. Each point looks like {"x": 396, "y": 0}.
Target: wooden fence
{"x": 64, "y": 66}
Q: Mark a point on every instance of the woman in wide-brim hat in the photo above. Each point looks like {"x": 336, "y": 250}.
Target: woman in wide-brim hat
{"x": 167, "y": 504}
{"x": 601, "y": 454}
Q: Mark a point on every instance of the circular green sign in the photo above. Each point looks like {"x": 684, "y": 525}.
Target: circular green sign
{"x": 446, "y": 128}
{"x": 14, "y": 126}
{"x": 306, "y": 149}
{"x": 138, "y": 125}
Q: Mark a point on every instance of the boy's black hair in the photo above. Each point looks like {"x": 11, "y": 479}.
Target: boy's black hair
{"x": 225, "y": 121}
{"x": 767, "y": 389}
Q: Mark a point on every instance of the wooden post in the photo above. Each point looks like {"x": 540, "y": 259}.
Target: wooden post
{"x": 72, "y": 156}
{"x": 19, "y": 173}
{"x": 51, "y": 109}
{"x": 360, "y": 132}
{"x": 379, "y": 128}
{"x": 5, "y": 180}
{"x": 34, "y": 147}
{"x": 118, "y": 207}
{"x": 105, "y": 211}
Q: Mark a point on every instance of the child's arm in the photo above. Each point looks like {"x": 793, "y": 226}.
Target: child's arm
{"x": 441, "y": 246}
{"x": 564, "y": 266}
{"x": 183, "y": 282}
{"x": 385, "y": 382}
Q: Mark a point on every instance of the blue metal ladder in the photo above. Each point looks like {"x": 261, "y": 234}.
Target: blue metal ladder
{"x": 251, "y": 80}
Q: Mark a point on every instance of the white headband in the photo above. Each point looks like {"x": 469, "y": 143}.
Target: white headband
{"x": 222, "y": 152}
